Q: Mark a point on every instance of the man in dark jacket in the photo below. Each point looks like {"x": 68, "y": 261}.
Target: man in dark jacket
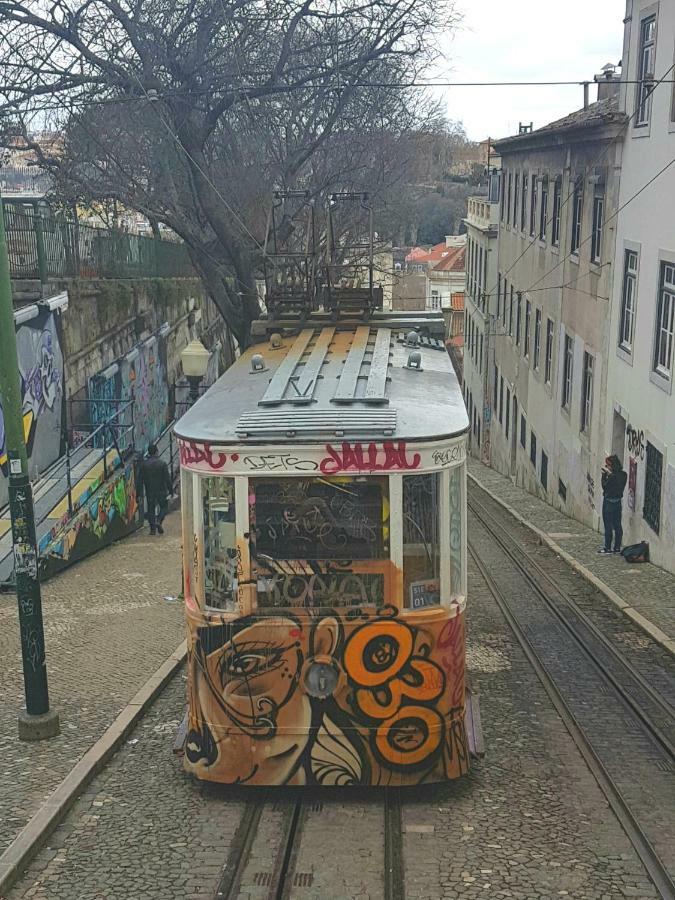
{"x": 613, "y": 485}
{"x": 157, "y": 485}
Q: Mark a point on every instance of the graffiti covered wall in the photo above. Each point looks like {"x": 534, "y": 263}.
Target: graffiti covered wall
{"x": 41, "y": 368}
{"x": 338, "y": 697}
{"x": 110, "y": 513}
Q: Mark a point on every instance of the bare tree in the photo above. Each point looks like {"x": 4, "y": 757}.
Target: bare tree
{"x": 190, "y": 111}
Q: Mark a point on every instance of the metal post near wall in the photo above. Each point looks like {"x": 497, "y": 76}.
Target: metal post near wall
{"x": 40, "y": 244}
{"x": 38, "y": 721}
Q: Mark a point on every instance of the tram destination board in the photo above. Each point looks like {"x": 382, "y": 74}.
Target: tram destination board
{"x": 320, "y": 518}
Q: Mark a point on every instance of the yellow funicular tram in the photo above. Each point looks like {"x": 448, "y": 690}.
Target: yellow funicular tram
{"x": 324, "y": 531}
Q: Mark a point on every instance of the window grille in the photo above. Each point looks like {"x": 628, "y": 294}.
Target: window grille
{"x": 653, "y": 474}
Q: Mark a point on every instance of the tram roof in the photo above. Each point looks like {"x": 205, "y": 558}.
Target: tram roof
{"x": 346, "y": 380}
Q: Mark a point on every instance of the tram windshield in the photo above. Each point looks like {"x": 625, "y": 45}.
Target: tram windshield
{"x": 327, "y": 541}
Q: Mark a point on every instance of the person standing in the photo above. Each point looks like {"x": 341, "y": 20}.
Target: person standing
{"x": 613, "y": 485}
{"x": 157, "y": 486}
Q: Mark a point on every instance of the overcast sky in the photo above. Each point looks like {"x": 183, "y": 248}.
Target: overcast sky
{"x": 527, "y": 40}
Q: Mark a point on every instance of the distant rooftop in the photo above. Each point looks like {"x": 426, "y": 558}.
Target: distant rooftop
{"x": 601, "y": 113}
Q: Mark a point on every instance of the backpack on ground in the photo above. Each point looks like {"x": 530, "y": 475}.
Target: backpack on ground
{"x": 636, "y": 553}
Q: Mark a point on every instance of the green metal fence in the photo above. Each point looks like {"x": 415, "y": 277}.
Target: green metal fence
{"x": 44, "y": 245}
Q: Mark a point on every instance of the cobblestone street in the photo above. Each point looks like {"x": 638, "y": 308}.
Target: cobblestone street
{"x": 529, "y": 821}
{"x": 108, "y": 627}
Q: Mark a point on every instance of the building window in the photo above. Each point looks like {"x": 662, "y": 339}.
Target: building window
{"x": 587, "y": 393}
{"x": 494, "y": 398}
{"x": 519, "y": 310}
{"x": 568, "y": 360}
{"x": 480, "y": 355}
{"x": 511, "y": 311}
{"x": 577, "y": 215}
{"x": 523, "y": 205}
{"x": 562, "y": 490}
{"x": 505, "y": 283}
{"x": 499, "y": 291}
{"x": 557, "y": 207}
{"x": 533, "y": 449}
{"x": 646, "y": 57}
{"x": 508, "y": 200}
{"x": 516, "y": 198}
{"x": 596, "y": 237}
{"x": 501, "y": 399}
{"x": 537, "y": 339}
{"x": 651, "y": 510}
{"x": 665, "y": 313}
{"x": 502, "y": 179}
{"x": 435, "y": 300}
{"x": 543, "y": 475}
{"x": 548, "y": 364}
{"x": 523, "y": 432}
{"x": 543, "y": 212}
{"x": 628, "y": 299}
{"x": 533, "y": 206}
{"x": 508, "y": 410}
{"x": 526, "y": 337}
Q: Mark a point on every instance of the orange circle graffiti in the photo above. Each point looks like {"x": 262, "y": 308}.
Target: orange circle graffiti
{"x": 410, "y": 736}
{"x": 377, "y": 652}
{"x": 430, "y": 687}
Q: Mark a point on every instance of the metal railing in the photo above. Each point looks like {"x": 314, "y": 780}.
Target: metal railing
{"x": 42, "y": 244}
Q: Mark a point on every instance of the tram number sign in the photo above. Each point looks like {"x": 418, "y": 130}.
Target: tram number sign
{"x": 425, "y": 593}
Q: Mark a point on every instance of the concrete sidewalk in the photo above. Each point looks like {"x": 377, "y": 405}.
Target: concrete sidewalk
{"x": 645, "y": 592}
{"x": 110, "y": 623}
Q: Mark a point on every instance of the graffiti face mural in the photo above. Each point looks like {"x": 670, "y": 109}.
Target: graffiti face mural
{"x": 41, "y": 369}
{"x": 348, "y": 696}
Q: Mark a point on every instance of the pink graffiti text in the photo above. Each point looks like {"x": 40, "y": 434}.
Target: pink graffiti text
{"x": 192, "y": 453}
{"x": 368, "y": 458}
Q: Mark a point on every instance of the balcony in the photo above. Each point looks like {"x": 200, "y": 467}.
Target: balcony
{"x": 483, "y": 214}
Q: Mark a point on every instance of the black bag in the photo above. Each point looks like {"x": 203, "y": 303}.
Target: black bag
{"x": 636, "y": 553}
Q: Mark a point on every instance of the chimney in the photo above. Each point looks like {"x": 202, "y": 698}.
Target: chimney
{"x": 608, "y": 82}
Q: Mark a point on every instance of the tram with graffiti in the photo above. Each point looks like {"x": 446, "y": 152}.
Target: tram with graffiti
{"x": 324, "y": 535}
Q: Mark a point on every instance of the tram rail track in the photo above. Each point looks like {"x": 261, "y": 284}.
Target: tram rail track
{"x": 266, "y": 847}
{"x": 649, "y": 718}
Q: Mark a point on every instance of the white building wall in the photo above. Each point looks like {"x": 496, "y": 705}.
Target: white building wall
{"x": 640, "y": 402}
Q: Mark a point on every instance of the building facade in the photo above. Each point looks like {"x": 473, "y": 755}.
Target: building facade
{"x": 556, "y": 245}
{"x": 640, "y": 406}
{"x": 480, "y": 306}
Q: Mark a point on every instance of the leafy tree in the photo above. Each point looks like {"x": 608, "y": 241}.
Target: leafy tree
{"x": 191, "y": 111}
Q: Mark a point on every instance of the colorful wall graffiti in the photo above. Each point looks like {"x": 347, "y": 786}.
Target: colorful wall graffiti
{"x": 41, "y": 368}
{"x": 142, "y": 376}
{"x": 110, "y": 513}
{"x": 339, "y": 697}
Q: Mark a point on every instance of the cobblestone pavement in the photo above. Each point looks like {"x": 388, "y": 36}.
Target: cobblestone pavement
{"x": 647, "y": 588}
{"x": 529, "y": 821}
{"x": 107, "y": 629}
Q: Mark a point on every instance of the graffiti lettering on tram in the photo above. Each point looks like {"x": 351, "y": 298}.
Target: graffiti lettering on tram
{"x": 333, "y": 699}
{"x": 282, "y": 462}
{"x": 192, "y": 453}
{"x": 388, "y": 457}
{"x": 448, "y": 456}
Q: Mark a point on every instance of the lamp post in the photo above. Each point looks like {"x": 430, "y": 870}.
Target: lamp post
{"x": 195, "y": 360}
{"x": 39, "y": 721}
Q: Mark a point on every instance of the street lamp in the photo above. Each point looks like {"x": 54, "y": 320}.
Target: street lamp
{"x": 195, "y": 360}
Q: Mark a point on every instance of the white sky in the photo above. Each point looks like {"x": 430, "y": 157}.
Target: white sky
{"x": 527, "y": 40}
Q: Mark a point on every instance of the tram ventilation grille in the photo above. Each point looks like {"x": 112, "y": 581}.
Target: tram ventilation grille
{"x": 317, "y": 422}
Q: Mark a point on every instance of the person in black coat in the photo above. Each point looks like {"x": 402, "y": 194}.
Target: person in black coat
{"x": 156, "y": 483}
{"x": 613, "y": 485}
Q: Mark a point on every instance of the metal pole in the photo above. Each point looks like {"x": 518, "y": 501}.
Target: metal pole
{"x": 38, "y": 721}
{"x": 40, "y": 244}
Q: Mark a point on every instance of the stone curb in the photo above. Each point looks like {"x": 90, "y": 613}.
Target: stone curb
{"x": 33, "y": 836}
{"x": 652, "y": 630}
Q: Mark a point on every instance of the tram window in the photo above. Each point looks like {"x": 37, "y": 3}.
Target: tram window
{"x": 456, "y": 537}
{"x": 220, "y": 543}
{"x": 320, "y": 542}
{"x": 421, "y": 540}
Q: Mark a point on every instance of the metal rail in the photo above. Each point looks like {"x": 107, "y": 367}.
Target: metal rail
{"x": 650, "y": 859}
{"x": 279, "y": 882}
{"x": 518, "y": 555}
